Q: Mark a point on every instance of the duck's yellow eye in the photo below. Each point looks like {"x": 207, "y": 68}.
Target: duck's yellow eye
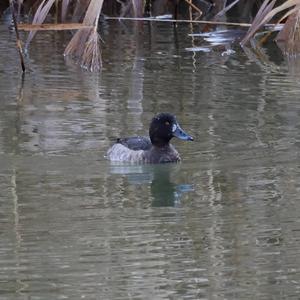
{"x": 167, "y": 123}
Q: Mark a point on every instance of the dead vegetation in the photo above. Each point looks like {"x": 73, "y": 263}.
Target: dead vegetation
{"x": 84, "y": 15}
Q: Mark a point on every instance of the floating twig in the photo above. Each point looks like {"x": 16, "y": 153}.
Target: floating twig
{"x": 180, "y": 21}
{"x": 64, "y": 26}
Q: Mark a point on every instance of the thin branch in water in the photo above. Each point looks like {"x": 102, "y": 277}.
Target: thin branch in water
{"x": 194, "y": 7}
{"x": 19, "y": 45}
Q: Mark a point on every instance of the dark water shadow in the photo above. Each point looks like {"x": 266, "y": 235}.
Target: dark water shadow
{"x": 165, "y": 191}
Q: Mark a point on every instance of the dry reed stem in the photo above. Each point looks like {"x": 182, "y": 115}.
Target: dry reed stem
{"x": 91, "y": 58}
{"x": 266, "y": 13}
{"x": 138, "y": 7}
{"x": 39, "y": 17}
{"x": 64, "y": 9}
{"x": 225, "y": 9}
{"x": 289, "y": 36}
{"x": 84, "y": 46}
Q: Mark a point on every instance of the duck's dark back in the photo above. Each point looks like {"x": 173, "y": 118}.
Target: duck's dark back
{"x": 136, "y": 142}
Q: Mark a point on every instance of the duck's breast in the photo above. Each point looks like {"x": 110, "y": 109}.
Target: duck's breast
{"x": 171, "y": 155}
{"x": 167, "y": 154}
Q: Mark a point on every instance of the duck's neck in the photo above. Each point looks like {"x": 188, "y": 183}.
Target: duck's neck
{"x": 161, "y": 147}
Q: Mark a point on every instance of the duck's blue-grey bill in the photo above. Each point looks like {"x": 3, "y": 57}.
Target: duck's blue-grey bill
{"x": 179, "y": 133}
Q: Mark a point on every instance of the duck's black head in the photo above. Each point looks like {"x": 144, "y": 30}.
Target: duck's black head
{"x": 163, "y": 127}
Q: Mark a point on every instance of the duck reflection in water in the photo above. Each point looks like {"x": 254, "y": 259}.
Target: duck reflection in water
{"x": 164, "y": 192}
